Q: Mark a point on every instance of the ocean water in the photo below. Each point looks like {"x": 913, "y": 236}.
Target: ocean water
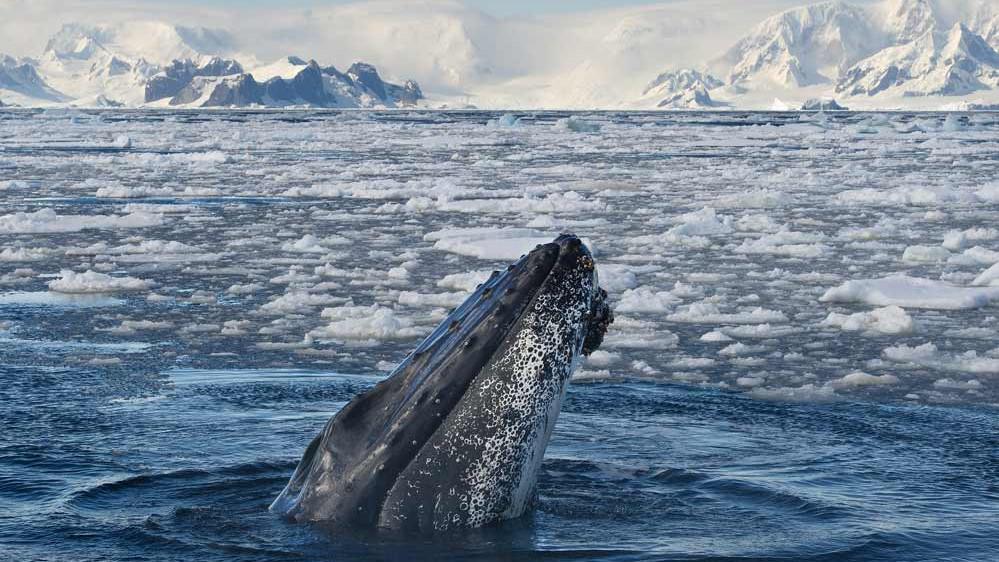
{"x": 186, "y": 297}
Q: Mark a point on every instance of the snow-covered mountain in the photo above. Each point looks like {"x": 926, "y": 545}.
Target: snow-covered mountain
{"x": 804, "y": 46}
{"x": 19, "y": 80}
{"x": 223, "y": 83}
{"x": 685, "y": 88}
{"x": 682, "y": 54}
{"x": 149, "y": 63}
{"x": 955, "y": 63}
{"x": 882, "y": 55}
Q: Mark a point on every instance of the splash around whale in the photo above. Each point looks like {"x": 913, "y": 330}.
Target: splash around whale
{"x": 455, "y": 436}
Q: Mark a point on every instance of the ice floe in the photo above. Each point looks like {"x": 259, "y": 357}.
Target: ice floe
{"x": 95, "y": 282}
{"x": 887, "y": 320}
{"x": 488, "y": 243}
{"x": 929, "y": 355}
{"x": 46, "y": 220}
{"x": 911, "y": 292}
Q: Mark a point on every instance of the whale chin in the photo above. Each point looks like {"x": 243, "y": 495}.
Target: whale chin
{"x": 454, "y": 437}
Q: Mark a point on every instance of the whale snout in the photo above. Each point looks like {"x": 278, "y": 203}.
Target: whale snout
{"x": 574, "y": 262}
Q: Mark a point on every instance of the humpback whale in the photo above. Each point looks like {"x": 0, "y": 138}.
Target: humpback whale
{"x": 454, "y": 437}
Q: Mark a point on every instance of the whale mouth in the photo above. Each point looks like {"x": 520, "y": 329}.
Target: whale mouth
{"x": 348, "y": 470}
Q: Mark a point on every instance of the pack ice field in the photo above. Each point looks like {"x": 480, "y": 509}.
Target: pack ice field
{"x": 792, "y": 257}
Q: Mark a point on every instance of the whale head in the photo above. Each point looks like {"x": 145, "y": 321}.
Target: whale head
{"x": 454, "y": 437}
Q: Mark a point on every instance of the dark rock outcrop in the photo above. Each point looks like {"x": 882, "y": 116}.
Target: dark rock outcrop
{"x": 180, "y": 74}
{"x": 312, "y": 86}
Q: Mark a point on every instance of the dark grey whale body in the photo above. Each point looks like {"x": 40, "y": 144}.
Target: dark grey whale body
{"x": 454, "y": 437}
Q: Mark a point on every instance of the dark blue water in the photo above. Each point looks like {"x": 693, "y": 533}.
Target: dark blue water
{"x": 634, "y": 471}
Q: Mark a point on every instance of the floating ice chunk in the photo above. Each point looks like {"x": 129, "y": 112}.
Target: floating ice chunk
{"x": 705, "y": 222}
{"x": 739, "y": 348}
{"x": 131, "y": 327}
{"x": 951, "y": 384}
{"x": 920, "y": 254}
{"x": 755, "y": 199}
{"x": 14, "y": 184}
{"x": 928, "y": 355}
{"x": 297, "y": 301}
{"x": 132, "y": 191}
{"x": 863, "y": 379}
{"x": 616, "y": 278}
{"x": 957, "y": 240}
{"x": 488, "y": 243}
{"x": 975, "y": 256}
{"x": 46, "y": 220}
{"x": 988, "y": 277}
{"x": 757, "y": 223}
{"x": 989, "y": 193}
{"x": 447, "y": 300}
{"x": 235, "y": 327}
{"x": 308, "y": 244}
{"x": 715, "y": 336}
{"x": 692, "y": 363}
{"x": 661, "y": 339}
{"x": 786, "y": 243}
{"x": 244, "y": 289}
{"x": 645, "y": 299}
{"x": 46, "y": 298}
{"x": 709, "y": 313}
{"x": 601, "y": 358}
{"x": 94, "y": 282}
{"x": 805, "y": 393}
{"x": 121, "y": 141}
{"x": 911, "y": 292}
{"x": 24, "y": 254}
{"x": 398, "y": 273}
{"x": 887, "y": 320}
{"x": 201, "y": 329}
{"x": 576, "y": 125}
{"x": 464, "y": 281}
{"x": 373, "y": 322}
{"x": 505, "y": 121}
{"x": 884, "y": 228}
{"x": 568, "y": 202}
{"x": 586, "y": 375}
{"x": 908, "y": 195}
{"x": 759, "y": 331}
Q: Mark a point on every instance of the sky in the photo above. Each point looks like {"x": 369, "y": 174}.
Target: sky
{"x": 501, "y": 8}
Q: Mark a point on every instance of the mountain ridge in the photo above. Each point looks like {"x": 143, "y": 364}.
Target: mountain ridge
{"x": 130, "y": 65}
{"x": 924, "y": 54}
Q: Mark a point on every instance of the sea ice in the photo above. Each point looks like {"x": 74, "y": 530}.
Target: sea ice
{"x": 488, "y": 243}
{"x": 888, "y": 320}
{"x": 928, "y": 355}
{"x": 46, "y": 220}
{"x": 94, "y": 282}
{"x": 373, "y": 322}
{"x": 911, "y": 292}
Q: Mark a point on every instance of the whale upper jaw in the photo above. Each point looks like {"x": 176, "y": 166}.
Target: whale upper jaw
{"x": 454, "y": 436}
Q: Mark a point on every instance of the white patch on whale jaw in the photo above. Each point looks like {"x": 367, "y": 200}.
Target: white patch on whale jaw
{"x": 502, "y": 482}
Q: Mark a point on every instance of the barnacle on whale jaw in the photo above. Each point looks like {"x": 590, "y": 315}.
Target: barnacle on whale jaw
{"x": 600, "y": 317}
